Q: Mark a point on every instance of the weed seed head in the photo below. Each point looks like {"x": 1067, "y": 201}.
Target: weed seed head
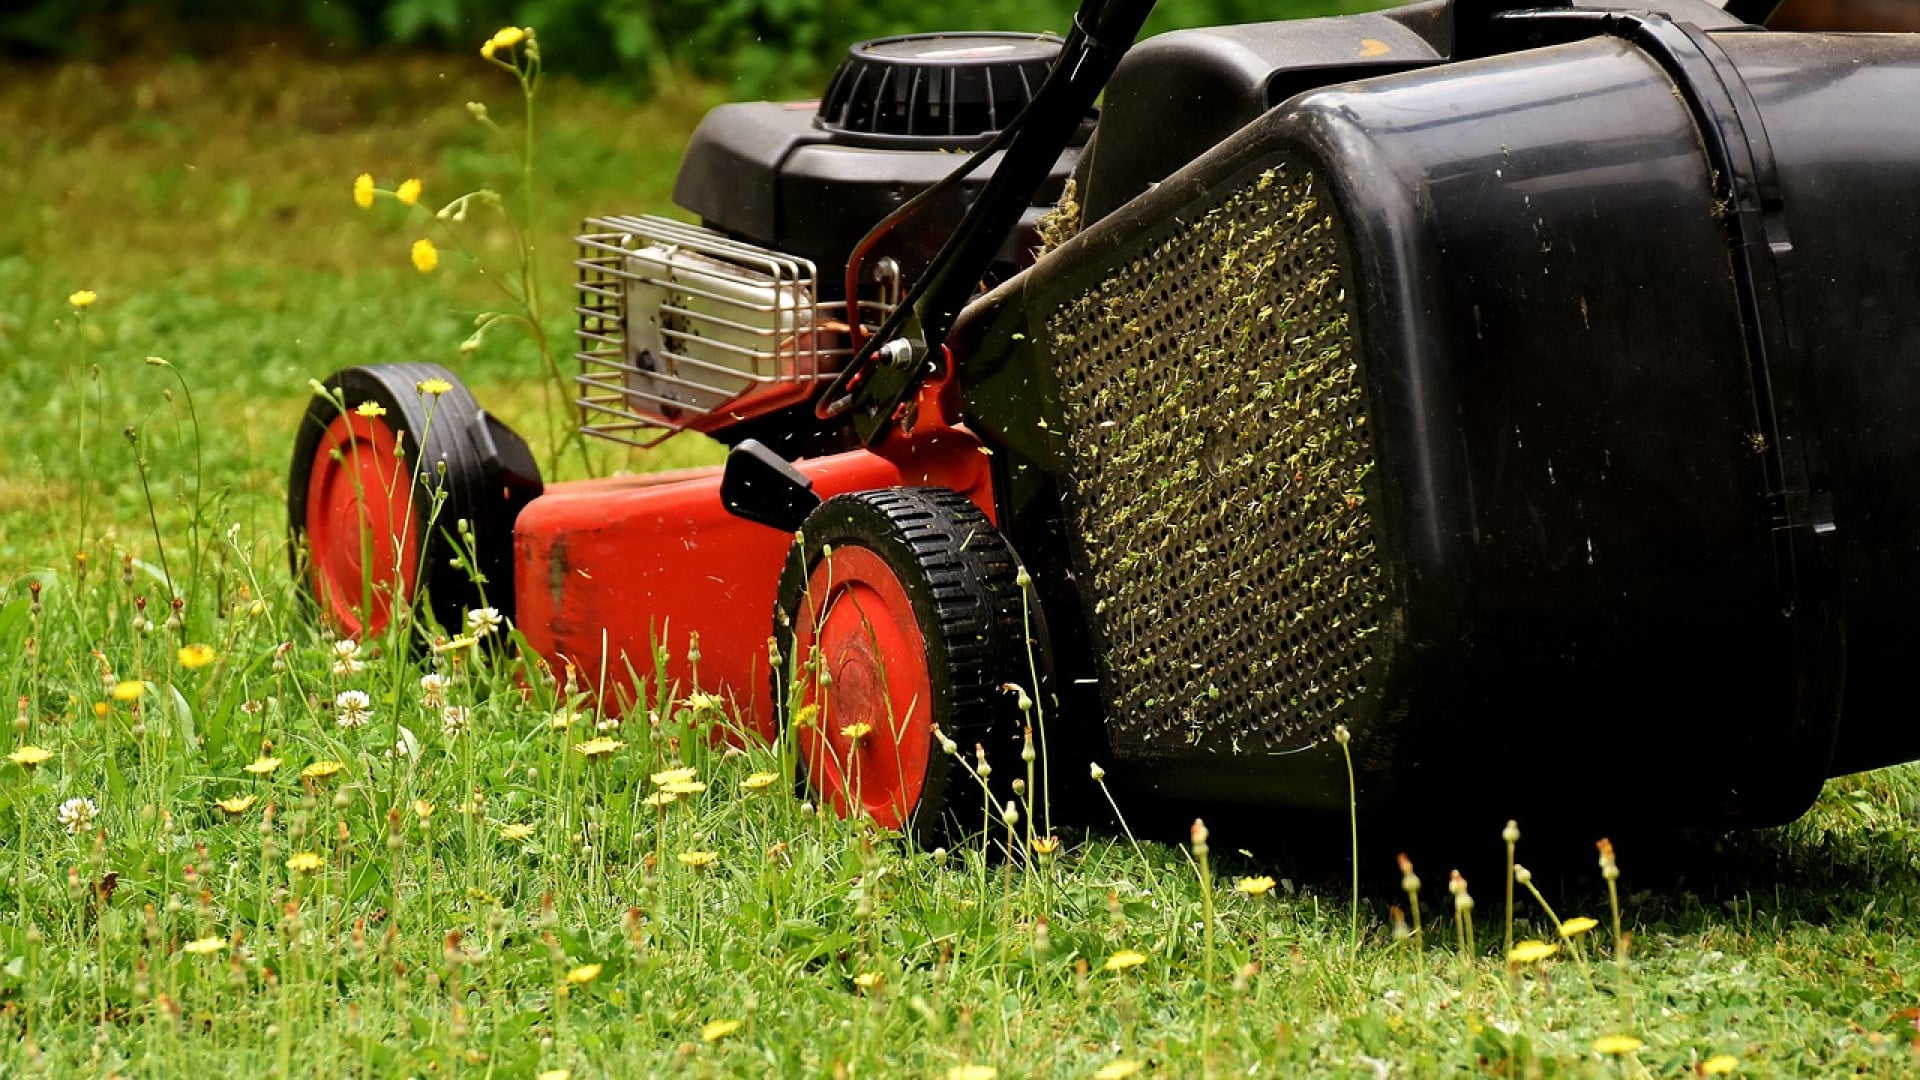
{"x": 1608, "y": 868}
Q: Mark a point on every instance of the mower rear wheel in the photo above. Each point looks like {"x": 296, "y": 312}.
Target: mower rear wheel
{"x": 900, "y": 609}
{"x": 383, "y": 470}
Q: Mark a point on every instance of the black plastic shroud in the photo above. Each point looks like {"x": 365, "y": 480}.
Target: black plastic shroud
{"x": 1632, "y": 319}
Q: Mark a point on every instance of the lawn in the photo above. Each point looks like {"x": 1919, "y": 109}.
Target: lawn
{"x": 223, "y": 865}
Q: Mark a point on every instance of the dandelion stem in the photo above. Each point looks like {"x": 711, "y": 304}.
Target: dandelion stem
{"x": 153, "y": 517}
{"x": 1342, "y": 736}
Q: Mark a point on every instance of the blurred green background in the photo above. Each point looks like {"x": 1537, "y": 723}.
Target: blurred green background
{"x": 760, "y": 45}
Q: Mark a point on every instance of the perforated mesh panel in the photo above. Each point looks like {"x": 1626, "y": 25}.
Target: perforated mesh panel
{"x": 1217, "y": 431}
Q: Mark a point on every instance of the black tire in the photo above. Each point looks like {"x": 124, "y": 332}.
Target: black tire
{"x": 451, "y": 448}
{"x": 961, "y": 579}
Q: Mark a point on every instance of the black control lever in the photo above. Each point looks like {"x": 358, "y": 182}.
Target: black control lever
{"x": 890, "y": 365}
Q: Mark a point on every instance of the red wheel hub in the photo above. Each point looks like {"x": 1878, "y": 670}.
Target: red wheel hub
{"x": 363, "y": 531}
{"x": 867, "y": 744}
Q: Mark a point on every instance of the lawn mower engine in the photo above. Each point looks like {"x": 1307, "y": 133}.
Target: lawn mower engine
{"x": 1515, "y": 398}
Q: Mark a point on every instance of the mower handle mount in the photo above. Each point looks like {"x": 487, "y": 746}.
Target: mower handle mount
{"x": 887, "y": 369}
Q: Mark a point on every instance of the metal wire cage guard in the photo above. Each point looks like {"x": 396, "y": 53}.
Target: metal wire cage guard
{"x": 682, "y": 328}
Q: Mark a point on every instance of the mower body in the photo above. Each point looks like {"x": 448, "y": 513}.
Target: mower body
{"x": 1528, "y": 393}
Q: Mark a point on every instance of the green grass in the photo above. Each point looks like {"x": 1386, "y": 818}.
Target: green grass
{"x": 209, "y": 208}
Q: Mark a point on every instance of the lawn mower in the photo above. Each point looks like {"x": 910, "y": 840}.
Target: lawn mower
{"x": 1470, "y": 406}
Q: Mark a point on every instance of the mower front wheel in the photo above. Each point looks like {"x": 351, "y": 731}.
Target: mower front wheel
{"x": 900, "y": 609}
{"x": 388, "y": 459}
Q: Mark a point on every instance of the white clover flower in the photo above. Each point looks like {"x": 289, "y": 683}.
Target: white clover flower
{"x": 346, "y": 658}
{"x": 76, "y": 815}
{"x": 356, "y": 708}
{"x": 433, "y": 690}
{"x": 453, "y": 720}
{"x": 483, "y": 621}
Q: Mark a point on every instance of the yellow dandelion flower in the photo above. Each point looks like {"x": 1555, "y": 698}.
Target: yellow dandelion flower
{"x": 205, "y": 946}
{"x": 1617, "y": 1045}
{"x": 1576, "y": 926}
{"x": 1531, "y": 952}
{"x": 516, "y": 831}
{"x": 583, "y": 974}
{"x": 697, "y": 859}
{"x": 760, "y": 781}
{"x": 408, "y": 192}
{"x": 127, "y": 690}
{"x": 715, "y": 1030}
{"x": 598, "y": 747}
{"x": 507, "y": 37}
{"x": 855, "y": 732}
{"x": 261, "y": 766}
{"x": 867, "y": 980}
{"x": 82, "y": 298}
{"x": 195, "y": 656}
{"x": 434, "y": 387}
{"x": 321, "y": 770}
{"x": 425, "y": 256}
{"x": 659, "y": 799}
{"x": 1124, "y": 959}
{"x": 1255, "y": 886}
{"x": 363, "y": 190}
{"x": 1046, "y": 845}
{"x": 422, "y": 809}
{"x": 370, "y": 409}
{"x": 1117, "y": 1069}
{"x": 805, "y": 715}
{"x": 237, "y": 805}
{"x": 102, "y": 709}
{"x": 305, "y": 862}
{"x": 31, "y": 757}
{"x": 972, "y": 1072}
{"x": 1719, "y": 1065}
{"x": 674, "y": 776}
{"x": 685, "y": 787}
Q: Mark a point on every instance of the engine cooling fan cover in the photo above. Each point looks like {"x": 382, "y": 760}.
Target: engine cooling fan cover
{"x": 951, "y": 90}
